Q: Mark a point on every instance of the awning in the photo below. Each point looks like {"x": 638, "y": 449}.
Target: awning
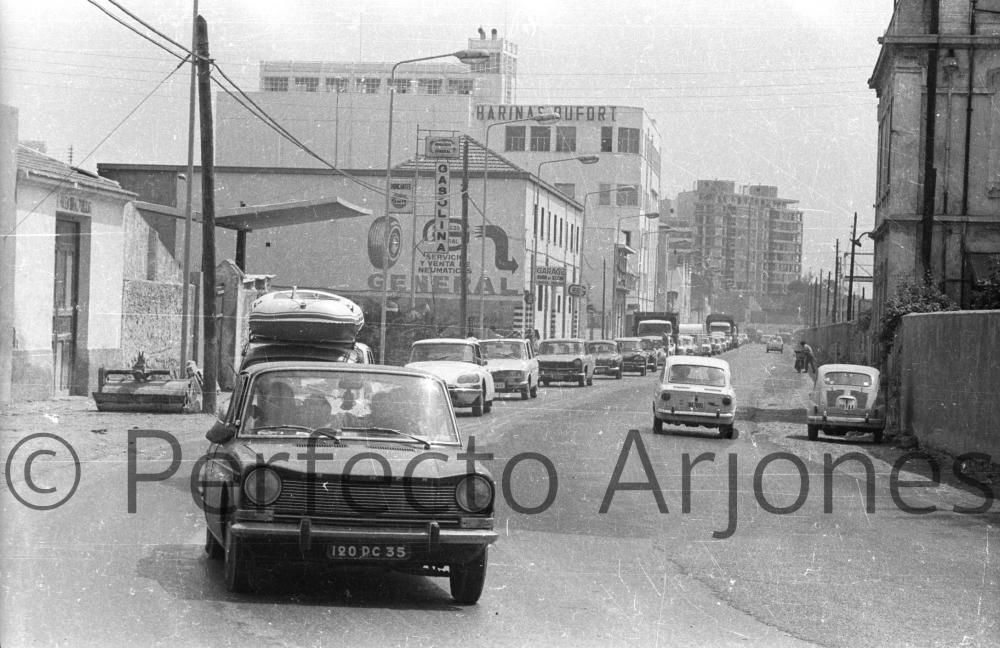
{"x": 290, "y": 213}
{"x": 983, "y": 267}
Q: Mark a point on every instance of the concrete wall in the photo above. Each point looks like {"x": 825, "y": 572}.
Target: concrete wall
{"x": 949, "y": 380}
{"x": 8, "y": 223}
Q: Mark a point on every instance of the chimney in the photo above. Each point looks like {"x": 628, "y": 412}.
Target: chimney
{"x": 482, "y": 33}
{"x": 493, "y": 33}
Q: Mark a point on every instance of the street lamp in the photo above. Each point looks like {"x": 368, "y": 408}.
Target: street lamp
{"x": 546, "y": 118}
{"x": 582, "y": 159}
{"x": 465, "y": 56}
{"x": 583, "y": 232}
{"x": 618, "y": 227}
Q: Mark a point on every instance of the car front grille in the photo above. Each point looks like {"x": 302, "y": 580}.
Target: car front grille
{"x": 364, "y": 498}
{"x": 558, "y": 366}
{"x": 507, "y": 376}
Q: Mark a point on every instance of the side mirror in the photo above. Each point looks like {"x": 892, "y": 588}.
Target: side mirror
{"x": 485, "y": 362}
{"x": 221, "y": 432}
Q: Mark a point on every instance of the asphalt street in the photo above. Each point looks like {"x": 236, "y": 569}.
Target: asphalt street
{"x": 610, "y": 536}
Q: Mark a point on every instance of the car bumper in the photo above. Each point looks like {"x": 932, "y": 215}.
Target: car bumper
{"x": 509, "y": 386}
{"x": 464, "y": 396}
{"x": 561, "y": 375}
{"x": 606, "y": 370}
{"x": 420, "y": 544}
{"x": 670, "y": 415}
{"x": 634, "y": 365}
{"x": 839, "y": 421}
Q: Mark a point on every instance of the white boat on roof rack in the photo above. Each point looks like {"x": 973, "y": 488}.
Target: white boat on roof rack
{"x": 307, "y": 315}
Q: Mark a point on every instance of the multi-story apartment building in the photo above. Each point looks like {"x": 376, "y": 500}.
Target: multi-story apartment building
{"x": 747, "y": 240}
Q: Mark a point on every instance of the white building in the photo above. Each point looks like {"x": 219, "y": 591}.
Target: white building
{"x": 340, "y": 111}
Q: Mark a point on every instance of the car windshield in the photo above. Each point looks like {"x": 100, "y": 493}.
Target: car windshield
{"x": 697, "y": 375}
{"x": 601, "y": 347}
{"x": 848, "y": 378}
{"x": 348, "y": 404}
{"x": 434, "y": 352}
{"x": 503, "y": 350}
{"x": 629, "y": 345}
{"x": 559, "y": 347}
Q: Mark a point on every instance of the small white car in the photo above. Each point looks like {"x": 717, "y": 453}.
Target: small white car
{"x": 695, "y": 391}
{"x": 775, "y": 343}
{"x": 461, "y": 364}
{"x": 513, "y": 364}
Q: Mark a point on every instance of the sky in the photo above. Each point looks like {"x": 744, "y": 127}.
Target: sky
{"x": 755, "y": 91}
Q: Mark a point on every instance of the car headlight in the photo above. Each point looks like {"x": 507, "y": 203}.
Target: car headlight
{"x": 577, "y": 364}
{"x": 468, "y": 378}
{"x": 474, "y": 494}
{"x": 262, "y": 486}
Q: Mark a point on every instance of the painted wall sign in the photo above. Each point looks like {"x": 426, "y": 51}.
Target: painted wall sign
{"x": 442, "y": 147}
{"x": 401, "y": 198}
{"x": 72, "y": 203}
{"x": 442, "y": 206}
{"x": 550, "y": 275}
{"x": 488, "y": 112}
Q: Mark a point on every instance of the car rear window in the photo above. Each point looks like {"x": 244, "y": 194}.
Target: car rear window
{"x": 847, "y": 378}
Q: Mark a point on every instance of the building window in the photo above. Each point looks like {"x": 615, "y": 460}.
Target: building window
{"x": 540, "y": 138}
{"x": 535, "y": 225}
{"x": 429, "y": 86}
{"x": 627, "y": 196}
{"x": 461, "y": 86}
{"x": 307, "y": 84}
{"x": 514, "y": 138}
{"x": 559, "y": 229}
{"x": 565, "y": 139}
{"x": 402, "y": 86}
{"x": 628, "y": 140}
{"x": 607, "y": 139}
{"x": 543, "y": 223}
{"x": 336, "y": 85}
{"x": 369, "y": 85}
{"x": 275, "y": 84}
{"x": 567, "y": 189}
{"x": 605, "y": 194}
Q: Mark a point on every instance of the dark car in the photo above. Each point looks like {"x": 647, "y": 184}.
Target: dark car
{"x": 565, "y": 360}
{"x": 334, "y": 464}
{"x": 607, "y": 358}
{"x": 635, "y": 357}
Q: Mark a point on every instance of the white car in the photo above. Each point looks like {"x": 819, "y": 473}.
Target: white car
{"x": 775, "y": 343}
{"x": 461, "y": 364}
{"x": 695, "y": 391}
{"x": 513, "y": 364}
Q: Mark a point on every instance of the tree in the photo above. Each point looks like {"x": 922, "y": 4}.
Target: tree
{"x": 988, "y": 296}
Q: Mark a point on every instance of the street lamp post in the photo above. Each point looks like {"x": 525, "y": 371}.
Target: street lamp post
{"x": 546, "y": 118}
{"x": 582, "y": 159}
{"x": 465, "y": 56}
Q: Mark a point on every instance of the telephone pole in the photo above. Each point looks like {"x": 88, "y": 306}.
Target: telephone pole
{"x": 855, "y": 243}
{"x": 211, "y": 344}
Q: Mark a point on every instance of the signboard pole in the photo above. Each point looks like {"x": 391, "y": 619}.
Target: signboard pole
{"x": 463, "y": 308}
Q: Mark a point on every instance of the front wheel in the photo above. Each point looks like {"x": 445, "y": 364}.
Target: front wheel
{"x": 467, "y": 580}
{"x": 727, "y": 431}
{"x": 488, "y": 407}
{"x": 813, "y": 432}
{"x": 877, "y": 436}
{"x": 618, "y": 374}
{"x": 477, "y": 407}
{"x": 590, "y": 380}
{"x": 533, "y": 391}
{"x": 657, "y": 426}
{"x": 525, "y": 392}
{"x": 582, "y": 381}
{"x": 642, "y": 372}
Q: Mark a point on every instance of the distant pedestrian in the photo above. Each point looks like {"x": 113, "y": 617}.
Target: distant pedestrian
{"x": 808, "y": 357}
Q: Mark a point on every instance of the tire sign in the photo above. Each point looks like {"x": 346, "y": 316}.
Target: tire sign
{"x": 442, "y": 205}
{"x": 401, "y": 196}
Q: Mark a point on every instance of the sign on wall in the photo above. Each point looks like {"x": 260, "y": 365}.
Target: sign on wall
{"x": 442, "y": 147}
{"x": 550, "y": 275}
{"x": 401, "y": 196}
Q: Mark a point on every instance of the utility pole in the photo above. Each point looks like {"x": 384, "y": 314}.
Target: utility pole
{"x": 211, "y": 344}
{"x": 855, "y": 243}
{"x": 189, "y": 189}
{"x": 826, "y": 288}
{"x": 604, "y": 292}
{"x": 463, "y": 302}
{"x": 836, "y": 282}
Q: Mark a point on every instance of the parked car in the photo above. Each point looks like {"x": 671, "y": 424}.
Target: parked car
{"x": 513, "y": 364}
{"x": 607, "y": 357}
{"x": 634, "y": 356}
{"x": 694, "y": 392}
{"x": 565, "y": 360}
{"x": 270, "y": 500}
{"x": 775, "y": 343}
{"x": 654, "y": 344}
{"x": 845, "y": 398}
{"x": 461, "y": 364}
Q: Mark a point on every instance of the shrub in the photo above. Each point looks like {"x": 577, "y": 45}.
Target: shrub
{"x": 911, "y": 297}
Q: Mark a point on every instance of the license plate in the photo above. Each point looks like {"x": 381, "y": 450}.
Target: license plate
{"x": 697, "y": 405}
{"x": 500, "y": 385}
{"x": 367, "y": 552}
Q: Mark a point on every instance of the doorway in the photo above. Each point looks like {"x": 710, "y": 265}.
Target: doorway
{"x": 65, "y": 305}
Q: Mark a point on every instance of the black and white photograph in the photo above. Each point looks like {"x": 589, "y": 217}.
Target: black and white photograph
{"x": 500, "y": 323}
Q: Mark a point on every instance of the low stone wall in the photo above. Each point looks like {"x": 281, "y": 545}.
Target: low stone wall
{"x": 949, "y": 379}
{"x": 841, "y": 342}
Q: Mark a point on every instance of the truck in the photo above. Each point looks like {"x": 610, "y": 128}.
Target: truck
{"x": 721, "y": 324}
{"x": 660, "y": 323}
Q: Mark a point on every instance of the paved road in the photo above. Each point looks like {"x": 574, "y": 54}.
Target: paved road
{"x": 91, "y": 573}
